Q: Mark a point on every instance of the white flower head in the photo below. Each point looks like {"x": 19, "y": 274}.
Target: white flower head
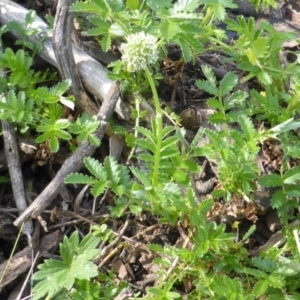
{"x": 139, "y": 51}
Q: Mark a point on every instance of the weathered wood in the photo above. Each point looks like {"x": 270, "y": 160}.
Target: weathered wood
{"x": 92, "y": 73}
{"x": 62, "y": 44}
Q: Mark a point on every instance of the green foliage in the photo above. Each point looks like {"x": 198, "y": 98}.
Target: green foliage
{"x": 263, "y": 3}
{"x": 85, "y": 290}
{"x": 257, "y": 52}
{"x": 178, "y": 23}
{"x": 84, "y": 127}
{"x": 287, "y": 189}
{"x": 110, "y": 174}
{"x": 55, "y": 275}
{"x": 237, "y": 168}
{"x": 52, "y": 131}
{"x": 217, "y": 265}
{"x": 32, "y": 107}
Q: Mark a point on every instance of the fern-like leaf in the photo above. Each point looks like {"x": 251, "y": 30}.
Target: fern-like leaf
{"x": 87, "y": 7}
{"x": 260, "y": 288}
{"x": 267, "y": 264}
{"x": 112, "y": 169}
{"x": 270, "y": 180}
{"x": 228, "y": 82}
{"x": 148, "y": 134}
{"x": 95, "y": 168}
{"x": 247, "y": 128}
{"x": 207, "y": 87}
{"x": 78, "y": 178}
{"x": 142, "y": 177}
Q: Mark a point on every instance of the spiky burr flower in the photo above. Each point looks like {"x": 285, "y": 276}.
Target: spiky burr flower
{"x": 139, "y": 51}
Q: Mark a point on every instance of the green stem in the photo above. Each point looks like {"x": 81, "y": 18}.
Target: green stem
{"x": 159, "y": 128}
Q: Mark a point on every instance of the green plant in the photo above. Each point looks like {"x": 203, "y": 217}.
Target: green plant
{"x": 263, "y": 3}
{"x": 31, "y": 106}
{"x": 257, "y": 52}
{"x": 236, "y": 156}
{"x": 55, "y": 276}
{"x": 172, "y": 23}
{"x": 287, "y": 189}
{"x": 213, "y": 261}
{"x": 167, "y": 167}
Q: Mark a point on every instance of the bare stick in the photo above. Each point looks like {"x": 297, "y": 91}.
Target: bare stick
{"x": 30, "y": 272}
{"x": 62, "y": 45}
{"x": 14, "y": 166}
{"x": 74, "y": 162}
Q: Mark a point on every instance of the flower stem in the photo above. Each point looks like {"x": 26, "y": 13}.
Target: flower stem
{"x": 159, "y": 128}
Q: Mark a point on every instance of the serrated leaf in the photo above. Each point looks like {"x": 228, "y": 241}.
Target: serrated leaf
{"x": 214, "y": 103}
{"x": 53, "y": 144}
{"x": 186, "y": 51}
{"x": 116, "y": 30}
{"x": 217, "y": 118}
{"x": 146, "y": 157}
{"x": 102, "y": 25}
{"x": 145, "y": 145}
{"x": 157, "y": 5}
{"x": 181, "y": 177}
{"x": 133, "y": 4}
{"x": 260, "y": 47}
{"x": 113, "y": 169}
{"x": 105, "y": 43}
{"x": 94, "y": 140}
{"x": 95, "y": 168}
{"x": 220, "y": 12}
{"x": 228, "y": 82}
{"x": 207, "y": 87}
{"x": 147, "y": 134}
{"x": 293, "y": 190}
{"x": 168, "y": 29}
{"x": 278, "y": 199}
{"x": 251, "y": 56}
{"x": 260, "y": 288}
{"x": 194, "y": 44}
{"x": 98, "y": 188}
{"x": 63, "y": 134}
{"x": 186, "y": 5}
{"x": 30, "y": 16}
{"x": 89, "y": 7}
{"x": 170, "y": 141}
{"x": 270, "y": 180}
{"x": 190, "y": 165}
{"x": 292, "y": 176}
{"x": 78, "y": 178}
{"x": 135, "y": 209}
{"x": 276, "y": 281}
{"x": 43, "y": 137}
{"x": 247, "y": 127}
{"x": 168, "y": 153}
{"x": 142, "y": 177}
{"x": 264, "y": 77}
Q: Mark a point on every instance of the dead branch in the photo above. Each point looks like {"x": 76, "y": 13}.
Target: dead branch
{"x": 62, "y": 44}
{"x": 14, "y": 166}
